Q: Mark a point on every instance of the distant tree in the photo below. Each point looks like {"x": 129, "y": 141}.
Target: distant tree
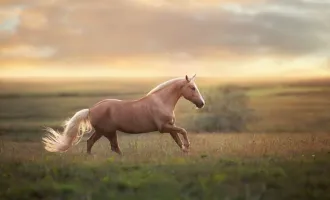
{"x": 227, "y": 110}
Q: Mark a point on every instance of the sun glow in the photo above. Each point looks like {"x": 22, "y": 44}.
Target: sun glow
{"x": 233, "y": 39}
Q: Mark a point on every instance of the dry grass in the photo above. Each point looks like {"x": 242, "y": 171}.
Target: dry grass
{"x": 159, "y": 148}
{"x": 219, "y": 166}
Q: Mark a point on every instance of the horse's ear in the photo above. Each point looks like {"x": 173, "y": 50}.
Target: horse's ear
{"x": 193, "y": 77}
{"x": 187, "y": 78}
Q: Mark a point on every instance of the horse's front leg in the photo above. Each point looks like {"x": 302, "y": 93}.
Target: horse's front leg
{"x": 178, "y": 141}
{"x": 174, "y": 130}
{"x": 185, "y": 137}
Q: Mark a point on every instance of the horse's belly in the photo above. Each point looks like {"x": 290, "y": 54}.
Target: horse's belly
{"x": 135, "y": 131}
{"x": 136, "y": 128}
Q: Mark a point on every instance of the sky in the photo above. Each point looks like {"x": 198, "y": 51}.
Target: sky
{"x": 138, "y": 38}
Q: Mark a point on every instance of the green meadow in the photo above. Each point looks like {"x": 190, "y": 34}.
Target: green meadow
{"x": 281, "y": 152}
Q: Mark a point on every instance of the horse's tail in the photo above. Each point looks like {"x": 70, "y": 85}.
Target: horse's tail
{"x": 74, "y": 129}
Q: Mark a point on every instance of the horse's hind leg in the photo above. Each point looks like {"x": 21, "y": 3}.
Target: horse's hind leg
{"x": 90, "y": 142}
{"x": 112, "y": 137}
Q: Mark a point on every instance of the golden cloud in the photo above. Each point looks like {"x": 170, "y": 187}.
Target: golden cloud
{"x": 206, "y": 35}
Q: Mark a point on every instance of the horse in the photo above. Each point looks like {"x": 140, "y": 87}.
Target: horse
{"x": 151, "y": 113}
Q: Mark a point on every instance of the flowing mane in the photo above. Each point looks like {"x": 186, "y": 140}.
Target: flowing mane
{"x": 163, "y": 85}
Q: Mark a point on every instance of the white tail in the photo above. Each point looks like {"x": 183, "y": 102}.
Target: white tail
{"x": 74, "y": 129}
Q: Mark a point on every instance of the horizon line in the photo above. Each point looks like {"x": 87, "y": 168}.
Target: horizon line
{"x": 218, "y": 78}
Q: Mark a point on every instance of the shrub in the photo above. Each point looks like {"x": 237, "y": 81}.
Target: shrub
{"x": 227, "y": 110}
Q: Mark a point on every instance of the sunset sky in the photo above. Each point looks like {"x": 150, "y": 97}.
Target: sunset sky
{"x": 223, "y": 38}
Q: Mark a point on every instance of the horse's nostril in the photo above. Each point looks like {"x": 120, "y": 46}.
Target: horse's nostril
{"x": 201, "y": 105}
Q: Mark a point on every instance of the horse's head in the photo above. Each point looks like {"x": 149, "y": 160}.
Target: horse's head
{"x": 191, "y": 93}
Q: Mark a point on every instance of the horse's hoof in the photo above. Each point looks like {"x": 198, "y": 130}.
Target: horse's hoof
{"x": 185, "y": 150}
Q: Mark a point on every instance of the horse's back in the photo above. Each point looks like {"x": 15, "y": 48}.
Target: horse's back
{"x": 99, "y": 114}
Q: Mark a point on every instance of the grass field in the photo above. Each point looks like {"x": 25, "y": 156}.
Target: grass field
{"x": 232, "y": 166}
{"x": 283, "y": 155}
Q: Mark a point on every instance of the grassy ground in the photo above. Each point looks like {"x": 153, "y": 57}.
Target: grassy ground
{"x": 232, "y": 166}
{"x": 290, "y": 163}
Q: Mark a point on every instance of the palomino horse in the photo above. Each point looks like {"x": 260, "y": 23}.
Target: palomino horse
{"x": 154, "y": 112}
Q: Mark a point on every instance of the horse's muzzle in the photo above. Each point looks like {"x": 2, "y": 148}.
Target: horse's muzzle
{"x": 200, "y": 105}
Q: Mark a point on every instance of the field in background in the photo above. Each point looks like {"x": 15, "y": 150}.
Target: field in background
{"x": 284, "y": 154}
{"x": 278, "y": 107}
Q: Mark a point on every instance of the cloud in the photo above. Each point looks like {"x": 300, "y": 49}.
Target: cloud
{"x": 33, "y": 20}
{"x": 9, "y": 18}
{"x": 26, "y": 51}
{"x": 121, "y": 28}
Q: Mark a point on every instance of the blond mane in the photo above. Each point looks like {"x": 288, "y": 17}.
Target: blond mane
{"x": 163, "y": 85}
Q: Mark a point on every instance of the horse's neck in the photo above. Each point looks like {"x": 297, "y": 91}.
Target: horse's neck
{"x": 170, "y": 95}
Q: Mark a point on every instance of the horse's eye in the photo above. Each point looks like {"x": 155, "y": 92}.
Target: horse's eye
{"x": 193, "y": 88}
